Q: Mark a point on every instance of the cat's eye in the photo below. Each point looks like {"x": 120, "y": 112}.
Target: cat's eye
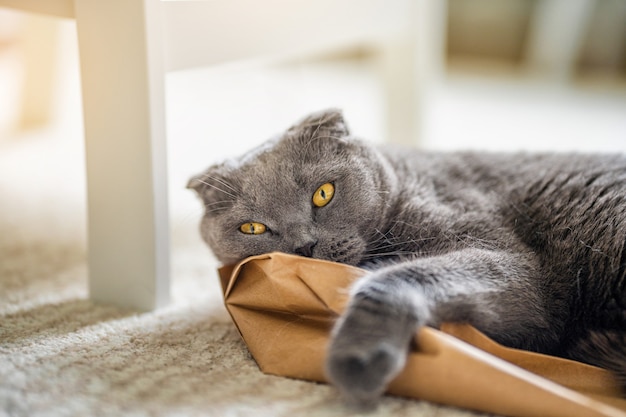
{"x": 253, "y": 228}
{"x": 323, "y": 194}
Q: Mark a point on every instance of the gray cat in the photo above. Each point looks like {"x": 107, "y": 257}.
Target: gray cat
{"x": 530, "y": 249}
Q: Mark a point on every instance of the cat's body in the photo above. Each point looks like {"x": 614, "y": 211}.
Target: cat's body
{"x": 530, "y": 249}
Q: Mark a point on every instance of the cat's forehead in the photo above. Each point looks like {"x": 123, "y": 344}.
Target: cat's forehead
{"x": 271, "y": 194}
{"x": 273, "y": 180}
{"x": 286, "y": 165}
{"x": 271, "y": 176}
{"x": 272, "y": 161}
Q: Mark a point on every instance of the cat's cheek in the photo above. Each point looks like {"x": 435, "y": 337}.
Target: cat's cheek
{"x": 345, "y": 248}
{"x": 205, "y": 231}
{"x": 220, "y": 242}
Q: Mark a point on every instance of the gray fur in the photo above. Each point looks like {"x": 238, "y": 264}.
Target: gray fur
{"x": 528, "y": 248}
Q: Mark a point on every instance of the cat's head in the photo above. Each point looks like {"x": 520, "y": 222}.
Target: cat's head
{"x": 312, "y": 191}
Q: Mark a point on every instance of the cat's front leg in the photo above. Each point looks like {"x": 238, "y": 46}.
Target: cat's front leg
{"x": 371, "y": 339}
{"x": 494, "y": 291}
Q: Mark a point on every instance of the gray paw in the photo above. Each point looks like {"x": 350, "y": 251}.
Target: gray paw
{"x": 362, "y": 373}
{"x": 370, "y": 341}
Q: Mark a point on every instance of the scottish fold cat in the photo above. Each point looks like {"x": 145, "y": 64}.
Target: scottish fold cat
{"x": 528, "y": 248}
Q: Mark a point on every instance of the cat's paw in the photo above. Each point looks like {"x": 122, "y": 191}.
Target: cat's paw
{"x": 371, "y": 339}
{"x": 362, "y": 372}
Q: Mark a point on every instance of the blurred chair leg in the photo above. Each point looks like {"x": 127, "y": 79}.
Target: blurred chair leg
{"x": 556, "y": 35}
{"x": 123, "y": 102}
{"x": 39, "y": 45}
{"x": 398, "y": 64}
{"x": 411, "y": 68}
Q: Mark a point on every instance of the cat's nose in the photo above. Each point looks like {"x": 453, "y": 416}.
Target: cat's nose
{"x": 306, "y": 250}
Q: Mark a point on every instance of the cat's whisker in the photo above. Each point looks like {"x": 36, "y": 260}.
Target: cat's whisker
{"x": 374, "y": 240}
{"x": 315, "y": 137}
{"x": 387, "y": 254}
{"x": 218, "y": 206}
{"x": 218, "y": 202}
{"x": 413, "y": 244}
{"x": 224, "y": 183}
{"x": 217, "y": 188}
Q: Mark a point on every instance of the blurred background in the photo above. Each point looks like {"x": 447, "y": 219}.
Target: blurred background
{"x": 508, "y": 75}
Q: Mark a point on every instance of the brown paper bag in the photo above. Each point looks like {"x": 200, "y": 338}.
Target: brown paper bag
{"x": 284, "y": 307}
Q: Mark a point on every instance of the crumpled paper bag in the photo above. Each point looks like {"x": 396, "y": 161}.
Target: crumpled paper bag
{"x": 284, "y": 307}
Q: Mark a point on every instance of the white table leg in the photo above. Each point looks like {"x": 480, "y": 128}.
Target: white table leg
{"x": 39, "y": 41}
{"x": 557, "y": 31}
{"x": 123, "y": 103}
{"x": 411, "y": 68}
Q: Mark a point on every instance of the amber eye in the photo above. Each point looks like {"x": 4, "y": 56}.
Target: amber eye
{"x": 253, "y": 228}
{"x": 323, "y": 195}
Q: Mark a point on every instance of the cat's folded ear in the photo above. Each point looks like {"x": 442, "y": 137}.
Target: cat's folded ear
{"x": 328, "y": 122}
{"x": 196, "y": 183}
{"x": 214, "y": 188}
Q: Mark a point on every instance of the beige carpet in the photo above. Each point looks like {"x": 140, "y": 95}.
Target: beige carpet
{"x": 62, "y": 355}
